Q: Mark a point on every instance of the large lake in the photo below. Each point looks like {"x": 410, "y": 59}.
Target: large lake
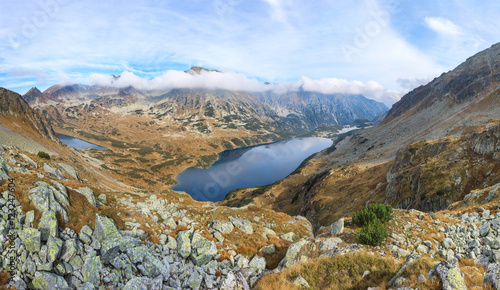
{"x": 78, "y": 143}
{"x": 248, "y": 167}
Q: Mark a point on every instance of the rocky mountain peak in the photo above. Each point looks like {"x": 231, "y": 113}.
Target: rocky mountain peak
{"x": 13, "y": 104}
{"x": 468, "y": 81}
{"x": 32, "y": 95}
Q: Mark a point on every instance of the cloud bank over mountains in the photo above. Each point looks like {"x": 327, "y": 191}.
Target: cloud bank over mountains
{"x": 173, "y": 79}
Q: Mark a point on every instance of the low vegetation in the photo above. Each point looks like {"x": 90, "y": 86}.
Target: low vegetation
{"x": 371, "y": 219}
{"x": 340, "y": 272}
{"x": 43, "y": 155}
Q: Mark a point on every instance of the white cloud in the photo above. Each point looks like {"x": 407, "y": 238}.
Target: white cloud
{"x": 442, "y": 26}
{"x": 64, "y": 80}
{"x": 238, "y": 82}
{"x": 179, "y": 79}
{"x": 411, "y": 83}
{"x": 371, "y": 89}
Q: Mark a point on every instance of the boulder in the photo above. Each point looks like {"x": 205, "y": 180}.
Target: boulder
{"x": 234, "y": 281}
{"x": 292, "y": 254}
{"x": 184, "y": 243}
{"x": 69, "y": 250}
{"x": 203, "y": 251}
{"x": 91, "y": 270}
{"x": 300, "y": 282}
{"x": 450, "y": 275}
{"x": 337, "y": 228}
{"x": 258, "y": 262}
{"x": 136, "y": 254}
{"x": 105, "y": 228}
{"x": 70, "y": 170}
{"x": 329, "y": 243}
{"x": 48, "y": 226}
{"x": 31, "y": 239}
{"x": 60, "y": 193}
{"x": 448, "y": 243}
{"x": 492, "y": 276}
{"x": 53, "y": 171}
{"x": 223, "y": 227}
{"x": 89, "y": 194}
{"x": 194, "y": 280}
{"x": 138, "y": 283}
{"x": 268, "y": 249}
{"x": 110, "y": 247}
{"x": 243, "y": 224}
{"x": 291, "y": 236}
{"x": 45, "y": 280}
{"x": 43, "y": 198}
{"x": 54, "y": 246}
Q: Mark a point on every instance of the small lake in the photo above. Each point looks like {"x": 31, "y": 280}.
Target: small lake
{"x": 78, "y": 143}
{"x": 248, "y": 167}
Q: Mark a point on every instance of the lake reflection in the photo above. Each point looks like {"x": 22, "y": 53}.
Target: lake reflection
{"x": 248, "y": 167}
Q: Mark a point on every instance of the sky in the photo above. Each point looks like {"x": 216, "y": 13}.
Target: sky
{"x": 381, "y": 49}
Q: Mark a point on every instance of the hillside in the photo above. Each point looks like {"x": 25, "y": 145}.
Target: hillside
{"x": 436, "y": 145}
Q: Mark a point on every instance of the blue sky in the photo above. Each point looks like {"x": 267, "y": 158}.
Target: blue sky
{"x": 379, "y": 48}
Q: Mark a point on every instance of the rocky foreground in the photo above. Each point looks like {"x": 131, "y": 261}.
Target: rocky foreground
{"x": 40, "y": 253}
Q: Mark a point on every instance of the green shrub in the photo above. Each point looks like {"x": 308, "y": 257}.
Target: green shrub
{"x": 43, "y": 155}
{"x": 372, "y": 234}
{"x": 363, "y": 217}
{"x": 382, "y": 212}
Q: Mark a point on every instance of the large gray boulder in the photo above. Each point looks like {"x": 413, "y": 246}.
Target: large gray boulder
{"x": 89, "y": 194}
{"x": 91, "y": 270}
{"x": 54, "y": 246}
{"x": 138, "y": 283}
{"x": 45, "y": 280}
{"x": 105, "y": 228}
{"x": 223, "y": 227}
{"x": 47, "y": 198}
{"x": 292, "y": 254}
{"x": 70, "y": 170}
{"x": 184, "y": 243}
{"x": 31, "y": 239}
{"x": 243, "y": 224}
{"x": 450, "y": 275}
{"x": 337, "y": 228}
{"x": 492, "y": 276}
{"x": 53, "y": 171}
{"x": 203, "y": 250}
{"x": 48, "y": 226}
{"x": 69, "y": 249}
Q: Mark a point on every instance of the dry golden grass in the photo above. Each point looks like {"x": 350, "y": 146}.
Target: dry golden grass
{"x": 340, "y": 272}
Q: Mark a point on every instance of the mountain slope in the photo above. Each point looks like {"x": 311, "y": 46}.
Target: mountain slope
{"x": 12, "y": 104}
{"x": 423, "y": 155}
